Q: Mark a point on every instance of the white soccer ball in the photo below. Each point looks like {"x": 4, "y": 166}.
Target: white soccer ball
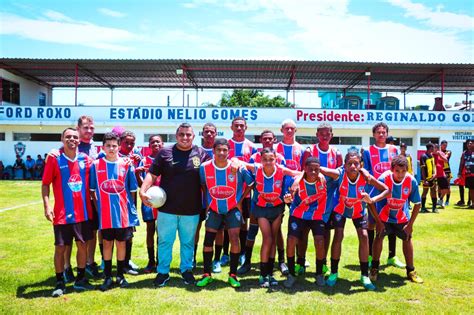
{"x": 157, "y": 196}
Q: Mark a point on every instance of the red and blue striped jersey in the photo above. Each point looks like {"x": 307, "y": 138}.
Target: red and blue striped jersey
{"x": 293, "y": 154}
{"x": 209, "y": 152}
{"x": 70, "y": 179}
{"x": 147, "y": 161}
{"x": 224, "y": 188}
{"x": 348, "y": 196}
{"x": 241, "y": 150}
{"x": 378, "y": 160}
{"x": 310, "y": 201}
{"x": 114, "y": 183}
{"x": 394, "y": 208}
{"x": 257, "y": 158}
{"x": 269, "y": 191}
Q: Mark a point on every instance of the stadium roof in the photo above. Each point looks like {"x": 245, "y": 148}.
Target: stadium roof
{"x": 252, "y": 74}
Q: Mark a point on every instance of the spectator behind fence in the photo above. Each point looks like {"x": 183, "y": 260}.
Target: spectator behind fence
{"x": 39, "y": 166}
{"x": 30, "y": 167}
{"x": 19, "y": 165}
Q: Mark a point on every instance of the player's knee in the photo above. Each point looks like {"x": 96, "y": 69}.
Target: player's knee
{"x": 209, "y": 238}
{"x": 252, "y": 233}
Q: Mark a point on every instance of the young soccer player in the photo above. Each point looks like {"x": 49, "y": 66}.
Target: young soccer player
{"x": 394, "y": 215}
{"x": 377, "y": 160}
{"x": 69, "y": 174}
{"x": 114, "y": 187}
{"x": 428, "y": 178}
{"x": 353, "y": 184}
{"x": 308, "y": 211}
{"x": 223, "y": 192}
{"x": 267, "y": 138}
{"x": 271, "y": 184}
{"x": 149, "y": 214}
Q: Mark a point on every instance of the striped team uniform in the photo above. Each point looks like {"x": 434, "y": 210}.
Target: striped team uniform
{"x": 394, "y": 210}
{"x": 257, "y": 158}
{"x": 224, "y": 190}
{"x": 378, "y": 160}
{"x": 308, "y": 209}
{"x": 348, "y": 201}
{"x": 114, "y": 183}
{"x": 70, "y": 180}
{"x": 268, "y": 192}
{"x": 293, "y": 154}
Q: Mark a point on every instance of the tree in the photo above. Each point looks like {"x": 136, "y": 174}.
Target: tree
{"x": 251, "y": 98}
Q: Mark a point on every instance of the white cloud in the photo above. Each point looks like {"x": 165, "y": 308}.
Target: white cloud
{"x": 63, "y": 30}
{"x": 111, "y": 13}
{"x": 436, "y": 17}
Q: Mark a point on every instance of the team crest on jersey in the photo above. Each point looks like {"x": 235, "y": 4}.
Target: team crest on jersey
{"x": 278, "y": 183}
{"x": 112, "y": 186}
{"x": 122, "y": 171}
{"x": 196, "y": 161}
{"x": 75, "y": 183}
{"x": 231, "y": 178}
{"x": 294, "y": 226}
{"x": 406, "y": 190}
{"x": 360, "y": 189}
{"x": 221, "y": 192}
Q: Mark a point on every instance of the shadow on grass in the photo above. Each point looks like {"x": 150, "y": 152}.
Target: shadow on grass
{"x": 37, "y": 290}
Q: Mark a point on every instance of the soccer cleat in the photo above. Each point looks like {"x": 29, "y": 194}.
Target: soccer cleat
{"x": 150, "y": 267}
{"x": 326, "y": 271}
{"x": 320, "y": 280}
{"x": 161, "y": 279}
{"x": 439, "y": 202}
{"x": 188, "y": 277}
{"x": 299, "y": 270}
{"x": 264, "y": 282}
{"x": 332, "y": 279}
{"x": 435, "y": 210}
{"x": 133, "y": 265}
{"x": 216, "y": 266}
{"x": 68, "y": 275}
{"x": 130, "y": 271}
{"x": 83, "y": 285}
{"x": 395, "y": 262}
{"x": 232, "y": 280}
{"x": 121, "y": 282}
{"x": 273, "y": 281}
{"x": 460, "y": 203}
{"x": 424, "y": 210}
{"x": 290, "y": 281}
{"x": 107, "y": 285}
{"x": 413, "y": 277}
{"x": 225, "y": 259}
{"x": 205, "y": 280}
{"x": 59, "y": 289}
{"x": 368, "y": 285}
{"x": 284, "y": 269}
{"x": 93, "y": 271}
{"x": 373, "y": 274}
{"x": 243, "y": 269}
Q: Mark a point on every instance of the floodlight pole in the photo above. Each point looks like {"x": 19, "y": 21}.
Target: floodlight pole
{"x": 76, "y": 70}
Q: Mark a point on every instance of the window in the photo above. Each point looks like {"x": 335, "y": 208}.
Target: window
{"x": 346, "y": 140}
{"x": 425, "y": 141}
{"x": 42, "y": 99}
{"x": 2, "y": 136}
{"x": 53, "y": 137}
{"x": 306, "y": 139}
{"x": 10, "y": 92}
{"x": 407, "y": 141}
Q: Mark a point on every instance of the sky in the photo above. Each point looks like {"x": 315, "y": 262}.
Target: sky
{"x": 335, "y": 30}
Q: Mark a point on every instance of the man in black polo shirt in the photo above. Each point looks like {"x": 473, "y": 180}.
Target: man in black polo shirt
{"x": 178, "y": 166}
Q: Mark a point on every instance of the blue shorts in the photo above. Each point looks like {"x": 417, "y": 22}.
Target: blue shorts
{"x": 297, "y": 226}
{"x": 149, "y": 214}
{"x": 232, "y": 219}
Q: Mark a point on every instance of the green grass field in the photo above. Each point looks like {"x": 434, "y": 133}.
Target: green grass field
{"x": 444, "y": 255}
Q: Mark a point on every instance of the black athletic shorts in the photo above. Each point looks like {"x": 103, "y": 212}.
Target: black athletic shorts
{"x": 64, "y": 233}
{"x": 396, "y": 229}
{"x": 270, "y": 213}
{"x": 297, "y": 227}
{"x": 232, "y": 219}
{"x": 429, "y": 183}
{"x": 443, "y": 183}
{"x": 336, "y": 221}
{"x": 469, "y": 183}
{"x": 120, "y": 234}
